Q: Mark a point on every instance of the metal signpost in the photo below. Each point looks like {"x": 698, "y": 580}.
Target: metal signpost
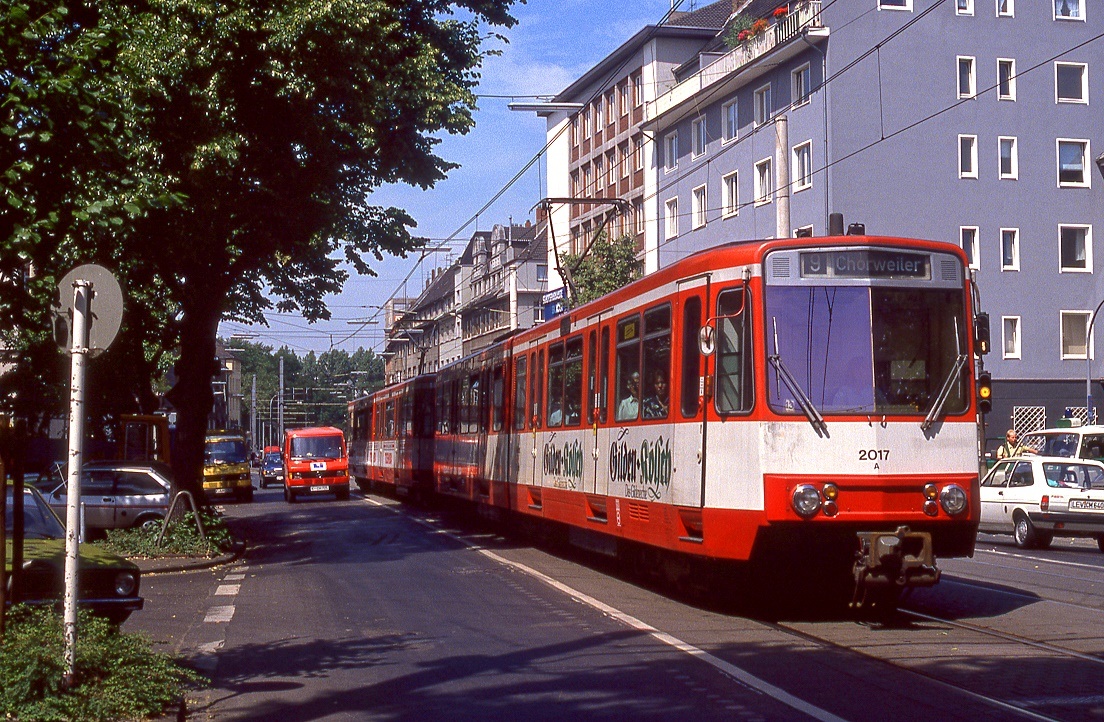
{"x": 91, "y": 334}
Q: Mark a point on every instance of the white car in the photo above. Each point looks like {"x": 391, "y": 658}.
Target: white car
{"x": 1035, "y": 498}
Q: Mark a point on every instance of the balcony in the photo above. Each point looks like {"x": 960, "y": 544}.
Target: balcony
{"x": 802, "y": 18}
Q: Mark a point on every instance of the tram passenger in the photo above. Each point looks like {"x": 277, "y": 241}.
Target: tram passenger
{"x": 655, "y": 406}
{"x": 629, "y": 408}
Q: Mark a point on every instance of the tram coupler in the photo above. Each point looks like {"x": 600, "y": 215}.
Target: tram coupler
{"x": 898, "y": 559}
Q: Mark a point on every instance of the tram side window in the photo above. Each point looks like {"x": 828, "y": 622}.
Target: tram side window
{"x": 497, "y": 400}
{"x": 477, "y": 419}
{"x": 603, "y": 375}
{"x": 408, "y": 413}
{"x": 390, "y": 414}
{"x": 519, "y": 392}
{"x": 591, "y": 374}
{"x": 555, "y": 384}
{"x": 733, "y": 372}
{"x": 465, "y": 406}
{"x": 628, "y": 369}
{"x": 455, "y": 406}
{"x": 656, "y": 375}
{"x": 573, "y": 381}
{"x": 538, "y": 389}
{"x": 691, "y": 359}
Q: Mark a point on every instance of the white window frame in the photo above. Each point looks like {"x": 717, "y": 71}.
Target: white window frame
{"x": 730, "y": 194}
{"x": 800, "y": 81}
{"x": 1014, "y": 234}
{"x": 801, "y": 168}
{"x": 600, "y": 115}
{"x": 638, "y": 153}
{"x": 638, "y": 90}
{"x": 599, "y": 174}
{"x": 762, "y": 105}
{"x": 1086, "y": 160}
{"x": 974, "y": 252}
{"x": 730, "y": 120}
{"x": 1080, "y": 17}
{"x": 964, "y": 7}
{"x": 698, "y": 136}
{"x": 905, "y": 5}
{"x": 1088, "y": 248}
{"x": 698, "y": 205}
{"x": 972, "y": 90}
{"x": 1011, "y": 95}
{"x": 671, "y": 217}
{"x": 1012, "y": 322}
{"x": 764, "y": 172}
{"x": 624, "y": 150}
{"x": 972, "y": 170}
{"x": 1010, "y": 13}
{"x": 670, "y": 151}
{"x": 1062, "y": 344}
{"x": 1014, "y": 173}
{"x": 1084, "y": 99}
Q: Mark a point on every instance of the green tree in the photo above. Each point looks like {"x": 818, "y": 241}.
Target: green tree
{"x": 605, "y": 267}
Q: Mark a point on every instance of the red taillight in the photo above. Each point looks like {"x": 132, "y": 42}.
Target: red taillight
{"x": 1044, "y": 503}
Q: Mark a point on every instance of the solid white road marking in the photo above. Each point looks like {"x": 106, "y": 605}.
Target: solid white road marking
{"x": 218, "y": 615}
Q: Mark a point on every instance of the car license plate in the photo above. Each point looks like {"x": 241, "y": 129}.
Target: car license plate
{"x": 1087, "y": 504}
{"x": 321, "y": 487}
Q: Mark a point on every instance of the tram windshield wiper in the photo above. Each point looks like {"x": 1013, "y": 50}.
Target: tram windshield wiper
{"x": 936, "y": 410}
{"x": 803, "y": 400}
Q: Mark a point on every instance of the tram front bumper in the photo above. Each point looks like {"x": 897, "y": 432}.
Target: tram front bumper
{"x": 901, "y": 558}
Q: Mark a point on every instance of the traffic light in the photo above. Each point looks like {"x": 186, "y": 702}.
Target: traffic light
{"x": 981, "y": 333}
{"x": 984, "y": 392}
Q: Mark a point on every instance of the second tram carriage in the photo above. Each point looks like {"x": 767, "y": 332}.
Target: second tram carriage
{"x": 785, "y": 399}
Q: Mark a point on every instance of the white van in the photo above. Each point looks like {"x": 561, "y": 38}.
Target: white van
{"x": 1082, "y": 442}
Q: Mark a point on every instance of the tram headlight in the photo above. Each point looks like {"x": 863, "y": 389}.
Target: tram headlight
{"x": 806, "y": 501}
{"x": 953, "y": 499}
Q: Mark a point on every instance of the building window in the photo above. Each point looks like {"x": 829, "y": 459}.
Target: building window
{"x": 1071, "y": 83}
{"x": 967, "y": 156}
{"x": 638, "y": 216}
{"x": 670, "y": 151}
{"x": 1010, "y": 336}
{"x": 802, "y": 171}
{"x": 611, "y": 108}
{"x": 1073, "y": 170}
{"x": 638, "y": 153}
{"x": 1006, "y": 79}
{"x": 800, "y": 82}
{"x": 762, "y": 105}
{"x": 575, "y": 184}
{"x": 638, "y": 90}
{"x": 697, "y": 128}
{"x": 671, "y": 217}
{"x": 1009, "y": 158}
{"x": 1075, "y": 324}
{"x": 730, "y": 189}
{"x": 626, "y": 161}
{"x": 586, "y": 180}
{"x": 1006, "y": 8}
{"x": 623, "y": 98}
{"x": 1010, "y": 249}
{"x": 599, "y": 175}
{"x": 575, "y": 131}
{"x": 731, "y": 120}
{"x": 964, "y": 7}
{"x": 697, "y": 207}
{"x": 611, "y": 166}
{"x": 542, "y": 272}
{"x": 586, "y": 122}
{"x": 764, "y": 182}
{"x": 1068, "y": 10}
{"x": 968, "y": 238}
{"x": 895, "y": 4}
{"x": 1074, "y": 248}
{"x": 966, "y": 81}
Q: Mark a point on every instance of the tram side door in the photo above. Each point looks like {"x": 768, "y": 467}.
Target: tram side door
{"x": 597, "y": 436}
{"x": 692, "y": 375}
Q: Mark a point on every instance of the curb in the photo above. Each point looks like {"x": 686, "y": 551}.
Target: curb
{"x": 188, "y": 564}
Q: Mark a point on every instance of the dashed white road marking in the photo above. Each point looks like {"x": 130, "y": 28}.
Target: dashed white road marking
{"x": 233, "y": 578}
{"x": 219, "y": 615}
{"x": 227, "y": 590}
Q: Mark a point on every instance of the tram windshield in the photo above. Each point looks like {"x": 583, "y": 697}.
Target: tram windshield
{"x": 866, "y": 350}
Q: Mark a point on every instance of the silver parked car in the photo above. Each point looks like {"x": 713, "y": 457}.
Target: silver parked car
{"x": 120, "y": 494}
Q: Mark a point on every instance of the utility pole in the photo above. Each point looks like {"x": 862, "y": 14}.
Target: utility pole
{"x": 782, "y": 164}
{"x": 253, "y": 413}
{"x": 280, "y": 407}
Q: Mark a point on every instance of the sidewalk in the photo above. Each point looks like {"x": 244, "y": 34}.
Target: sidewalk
{"x": 168, "y": 565}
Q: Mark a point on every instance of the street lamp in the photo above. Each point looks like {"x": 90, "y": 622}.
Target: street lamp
{"x": 1088, "y": 330}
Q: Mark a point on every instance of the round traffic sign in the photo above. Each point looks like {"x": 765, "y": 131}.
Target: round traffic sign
{"x": 105, "y": 308}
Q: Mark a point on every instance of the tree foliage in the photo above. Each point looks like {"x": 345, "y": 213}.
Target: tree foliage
{"x": 607, "y": 266}
{"x": 221, "y": 155}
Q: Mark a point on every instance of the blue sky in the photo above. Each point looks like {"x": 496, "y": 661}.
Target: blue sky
{"x": 554, "y": 42}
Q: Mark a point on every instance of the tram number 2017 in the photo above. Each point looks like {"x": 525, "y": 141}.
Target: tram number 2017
{"x": 873, "y": 454}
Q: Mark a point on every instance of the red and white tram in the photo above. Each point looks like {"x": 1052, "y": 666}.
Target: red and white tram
{"x": 788, "y": 399}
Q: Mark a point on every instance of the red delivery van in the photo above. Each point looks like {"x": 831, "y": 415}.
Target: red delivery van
{"x": 315, "y": 462}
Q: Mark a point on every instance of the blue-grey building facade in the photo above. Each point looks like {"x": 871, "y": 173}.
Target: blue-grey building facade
{"x": 969, "y": 121}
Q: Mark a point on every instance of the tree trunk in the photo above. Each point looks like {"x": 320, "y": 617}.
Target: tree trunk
{"x": 192, "y": 397}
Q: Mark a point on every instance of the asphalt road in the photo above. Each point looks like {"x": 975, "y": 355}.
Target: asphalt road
{"x": 373, "y": 610}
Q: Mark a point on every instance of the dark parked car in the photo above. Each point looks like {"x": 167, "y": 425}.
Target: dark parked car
{"x": 120, "y": 494}
{"x": 108, "y": 584}
{"x": 272, "y": 469}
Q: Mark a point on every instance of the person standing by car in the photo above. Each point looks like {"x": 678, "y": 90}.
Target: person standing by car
{"x": 1011, "y": 446}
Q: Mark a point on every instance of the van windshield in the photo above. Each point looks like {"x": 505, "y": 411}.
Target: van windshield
{"x": 316, "y": 447}
{"x": 225, "y": 451}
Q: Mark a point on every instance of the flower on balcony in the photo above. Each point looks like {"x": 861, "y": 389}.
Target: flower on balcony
{"x": 759, "y": 26}
{"x": 780, "y": 12}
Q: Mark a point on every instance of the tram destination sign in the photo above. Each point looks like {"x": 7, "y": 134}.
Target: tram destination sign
{"x": 867, "y": 263}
